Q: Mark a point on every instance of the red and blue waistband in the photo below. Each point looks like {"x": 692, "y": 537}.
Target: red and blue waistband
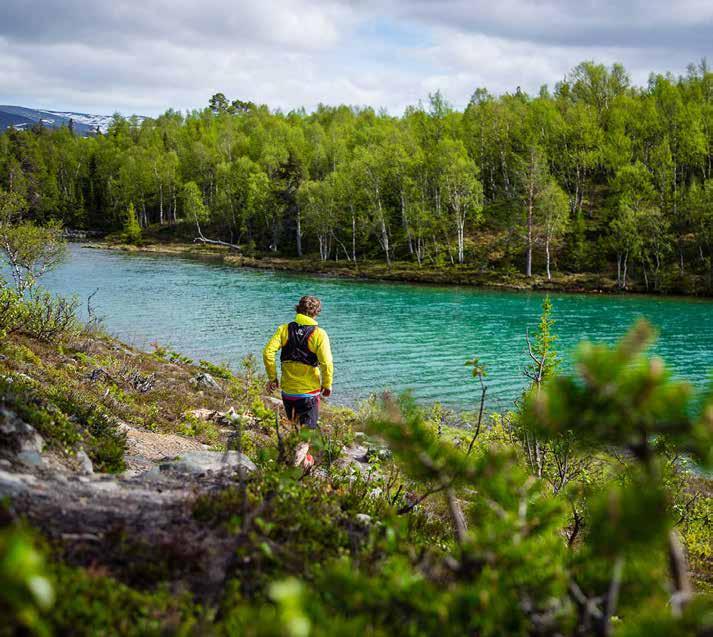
{"x": 311, "y": 394}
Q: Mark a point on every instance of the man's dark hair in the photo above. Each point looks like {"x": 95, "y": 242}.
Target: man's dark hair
{"x": 309, "y": 306}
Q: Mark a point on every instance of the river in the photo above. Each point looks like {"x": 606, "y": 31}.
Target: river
{"x": 384, "y": 335}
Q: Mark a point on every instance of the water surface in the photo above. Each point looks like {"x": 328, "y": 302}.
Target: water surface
{"x": 383, "y": 335}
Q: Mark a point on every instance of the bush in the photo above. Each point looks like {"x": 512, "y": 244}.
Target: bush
{"x": 26, "y": 590}
{"x": 12, "y": 311}
{"x": 49, "y": 318}
{"x": 94, "y": 604}
{"x": 132, "y": 229}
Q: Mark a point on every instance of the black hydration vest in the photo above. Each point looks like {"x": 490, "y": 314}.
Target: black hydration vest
{"x": 296, "y": 347}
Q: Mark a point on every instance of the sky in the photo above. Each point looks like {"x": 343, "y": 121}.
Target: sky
{"x": 143, "y": 57}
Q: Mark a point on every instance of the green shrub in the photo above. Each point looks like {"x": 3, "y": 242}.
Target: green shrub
{"x": 132, "y": 230}
{"x": 195, "y": 427}
{"x": 164, "y": 354}
{"x": 65, "y": 422}
{"x": 49, "y": 318}
{"x": 104, "y": 443}
{"x": 219, "y": 371}
{"x": 12, "y": 311}
{"x": 19, "y": 395}
{"x": 26, "y": 590}
{"x": 93, "y": 604}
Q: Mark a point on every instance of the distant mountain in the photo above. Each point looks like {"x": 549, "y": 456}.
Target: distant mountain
{"x": 20, "y": 118}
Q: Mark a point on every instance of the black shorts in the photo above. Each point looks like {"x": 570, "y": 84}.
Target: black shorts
{"x": 303, "y": 410}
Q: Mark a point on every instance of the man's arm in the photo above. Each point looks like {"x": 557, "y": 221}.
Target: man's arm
{"x": 326, "y": 365}
{"x": 268, "y": 357}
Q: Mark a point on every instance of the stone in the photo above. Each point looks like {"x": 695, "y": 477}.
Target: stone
{"x": 21, "y": 439}
{"x": 85, "y": 464}
{"x": 363, "y": 519}
{"x": 206, "y": 414}
{"x": 206, "y": 381}
{"x": 14, "y": 484}
{"x": 273, "y": 403}
{"x": 30, "y": 458}
{"x": 197, "y": 463}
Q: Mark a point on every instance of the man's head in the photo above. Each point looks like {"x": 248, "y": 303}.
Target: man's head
{"x": 309, "y": 306}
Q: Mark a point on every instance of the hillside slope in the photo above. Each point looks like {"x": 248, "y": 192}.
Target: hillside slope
{"x": 161, "y": 498}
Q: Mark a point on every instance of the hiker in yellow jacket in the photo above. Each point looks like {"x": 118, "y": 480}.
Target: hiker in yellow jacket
{"x": 306, "y": 362}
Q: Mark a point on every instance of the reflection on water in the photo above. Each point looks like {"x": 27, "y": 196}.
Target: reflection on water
{"x": 383, "y": 335}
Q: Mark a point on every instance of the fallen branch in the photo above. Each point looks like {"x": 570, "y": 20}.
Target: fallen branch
{"x": 216, "y": 242}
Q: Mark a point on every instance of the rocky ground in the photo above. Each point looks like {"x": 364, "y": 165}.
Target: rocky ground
{"x": 137, "y": 520}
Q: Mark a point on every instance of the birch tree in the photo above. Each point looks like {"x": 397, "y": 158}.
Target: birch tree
{"x": 463, "y": 193}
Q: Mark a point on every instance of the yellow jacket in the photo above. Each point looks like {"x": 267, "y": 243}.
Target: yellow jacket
{"x": 298, "y": 378}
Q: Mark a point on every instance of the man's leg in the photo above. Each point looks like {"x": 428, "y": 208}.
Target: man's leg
{"x": 305, "y": 411}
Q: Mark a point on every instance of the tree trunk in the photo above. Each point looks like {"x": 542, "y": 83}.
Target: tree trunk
{"x": 460, "y": 223}
{"x": 530, "y": 206}
{"x": 547, "y": 254}
{"x": 404, "y": 220}
{"x": 384, "y": 234}
{"x": 298, "y": 236}
{"x": 353, "y": 236}
{"x": 626, "y": 259}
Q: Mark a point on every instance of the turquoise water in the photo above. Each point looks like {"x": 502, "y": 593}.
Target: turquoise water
{"x": 394, "y": 336}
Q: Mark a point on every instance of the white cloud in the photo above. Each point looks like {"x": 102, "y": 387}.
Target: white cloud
{"x": 146, "y": 56}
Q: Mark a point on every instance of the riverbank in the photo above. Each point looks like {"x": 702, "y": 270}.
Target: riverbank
{"x": 400, "y": 271}
{"x": 408, "y": 272}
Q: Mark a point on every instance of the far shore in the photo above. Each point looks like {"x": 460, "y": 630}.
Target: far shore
{"x": 400, "y": 271}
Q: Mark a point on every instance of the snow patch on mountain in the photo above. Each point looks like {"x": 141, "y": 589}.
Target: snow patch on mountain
{"x": 22, "y": 118}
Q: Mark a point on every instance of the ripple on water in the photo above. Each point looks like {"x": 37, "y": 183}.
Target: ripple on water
{"x": 383, "y": 335}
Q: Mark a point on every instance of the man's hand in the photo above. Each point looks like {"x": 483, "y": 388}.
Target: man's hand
{"x": 272, "y": 386}
{"x": 326, "y": 392}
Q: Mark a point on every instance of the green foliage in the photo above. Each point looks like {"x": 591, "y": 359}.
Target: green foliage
{"x": 27, "y": 591}
{"x": 543, "y": 348}
{"x": 12, "y": 311}
{"x": 630, "y": 197}
{"x": 94, "y": 604}
{"x": 218, "y": 371}
{"x": 132, "y": 228}
{"x": 40, "y": 314}
{"x": 48, "y": 317}
{"x": 194, "y": 427}
{"x": 66, "y": 422}
{"x": 165, "y": 354}
{"x": 621, "y": 397}
{"x": 31, "y": 250}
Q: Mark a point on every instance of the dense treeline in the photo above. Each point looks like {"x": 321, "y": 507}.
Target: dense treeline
{"x": 595, "y": 176}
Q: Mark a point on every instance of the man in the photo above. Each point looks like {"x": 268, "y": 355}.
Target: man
{"x": 307, "y": 368}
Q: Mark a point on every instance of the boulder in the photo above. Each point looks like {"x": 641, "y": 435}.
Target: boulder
{"x": 206, "y": 381}
{"x": 85, "y": 464}
{"x": 196, "y": 463}
{"x": 20, "y": 439}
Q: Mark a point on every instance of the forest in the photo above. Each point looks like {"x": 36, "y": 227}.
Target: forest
{"x": 596, "y": 175}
